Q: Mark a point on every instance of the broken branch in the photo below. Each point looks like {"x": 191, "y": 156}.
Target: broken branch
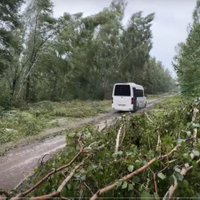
{"x": 60, "y": 188}
{"x": 118, "y": 138}
{"x": 131, "y": 175}
{"x": 40, "y": 182}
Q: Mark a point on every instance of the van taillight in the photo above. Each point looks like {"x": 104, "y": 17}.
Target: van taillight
{"x": 133, "y": 100}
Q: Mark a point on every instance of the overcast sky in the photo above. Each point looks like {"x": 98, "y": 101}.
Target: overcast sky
{"x": 169, "y": 27}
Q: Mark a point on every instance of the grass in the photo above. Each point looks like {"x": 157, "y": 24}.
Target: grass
{"x": 173, "y": 101}
{"x": 16, "y": 124}
{"x": 74, "y": 109}
{"x": 157, "y": 96}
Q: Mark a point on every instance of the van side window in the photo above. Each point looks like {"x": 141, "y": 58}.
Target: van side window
{"x": 138, "y": 93}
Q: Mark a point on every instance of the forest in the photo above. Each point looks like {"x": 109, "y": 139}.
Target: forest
{"x": 186, "y": 62}
{"x": 74, "y": 57}
{"x": 55, "y": 72}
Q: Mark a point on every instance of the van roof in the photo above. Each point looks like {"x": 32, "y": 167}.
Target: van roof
{"x": 132, "y": 84}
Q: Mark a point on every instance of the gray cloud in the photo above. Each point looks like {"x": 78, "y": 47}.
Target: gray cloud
{"x": 88, "y": 7}
{"x": 169, "y": 27}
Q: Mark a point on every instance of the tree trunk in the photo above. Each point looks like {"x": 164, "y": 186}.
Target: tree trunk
{"x": 28, "y": 84}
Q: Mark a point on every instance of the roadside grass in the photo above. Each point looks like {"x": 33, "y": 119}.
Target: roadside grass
{"x": 152, "y": 97}
{"x": 157, "y": 96}
{"x": 172, "y": 102}
{"x": 18, "y": 124}
{"x": 74, "y": 109}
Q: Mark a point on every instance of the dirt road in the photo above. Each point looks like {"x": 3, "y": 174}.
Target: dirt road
{"x": 20, "y": 162}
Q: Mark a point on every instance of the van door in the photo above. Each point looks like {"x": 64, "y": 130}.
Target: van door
{"x": 122, "y": 97}
{"x": 139, "y": 95}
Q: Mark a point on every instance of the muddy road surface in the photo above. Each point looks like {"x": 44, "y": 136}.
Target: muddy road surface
{"x": 20, "y": 162}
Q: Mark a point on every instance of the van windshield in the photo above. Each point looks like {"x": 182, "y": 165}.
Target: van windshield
{"x": 122, "y": 90}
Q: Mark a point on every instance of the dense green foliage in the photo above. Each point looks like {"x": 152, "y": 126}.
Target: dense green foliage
{"x": 74, "y": 56}
{"x": 171, "y": 122}
{"x": 9, "y": 24}
{"x": 187, "y": 63}
{"x": 157, "y": 79}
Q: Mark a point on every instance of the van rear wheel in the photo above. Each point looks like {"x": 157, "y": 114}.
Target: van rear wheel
{"x": 134, "y": 108}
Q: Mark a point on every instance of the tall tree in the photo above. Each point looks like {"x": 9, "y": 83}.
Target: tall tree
{"x": 187, "y": 62}
{"x": 157, "y": 79}
{"x": 9, "y": 21}
{"x": 40, "y": 27}
{"x": 95, "y": 56}
{"x": 54, "y": 68}
{"x": 136, "y": 47}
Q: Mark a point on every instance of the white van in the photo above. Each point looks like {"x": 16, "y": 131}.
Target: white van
{"x": 128, "y": 97}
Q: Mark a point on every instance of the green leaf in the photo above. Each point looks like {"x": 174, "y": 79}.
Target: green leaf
{"x": 130, "y": 186}
{"x": 196, "y": 153}
{"x": 119, "y": 153}
{"x": 125, "y": 184}
{"x": 185, "y": 155}
{"x": 71, "y": 134}
{"x": 119, "y": 183}
{"x": 180, "y": 177}
{"x": 136, "y": 179}
{"x": 69, "y": 186}
{"x": 146, "y": 195}
{"x": 188, "y": 133}
{"x": 130, "y": 168}
{"x": 83, "y": 178}
{"x": 161, "y": 175}
{"x": 179, "y": 141}
{"x": 176, "y": 169}
{"x": 195, "y": 125}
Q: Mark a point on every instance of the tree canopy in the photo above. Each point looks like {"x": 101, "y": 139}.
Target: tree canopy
{"x": 74, "y": 56}
{"x": 9, "y": 23}
{"x": 187, "y": 62}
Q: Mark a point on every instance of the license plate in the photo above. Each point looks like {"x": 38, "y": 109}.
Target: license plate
{"x": 121, "y": 104}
